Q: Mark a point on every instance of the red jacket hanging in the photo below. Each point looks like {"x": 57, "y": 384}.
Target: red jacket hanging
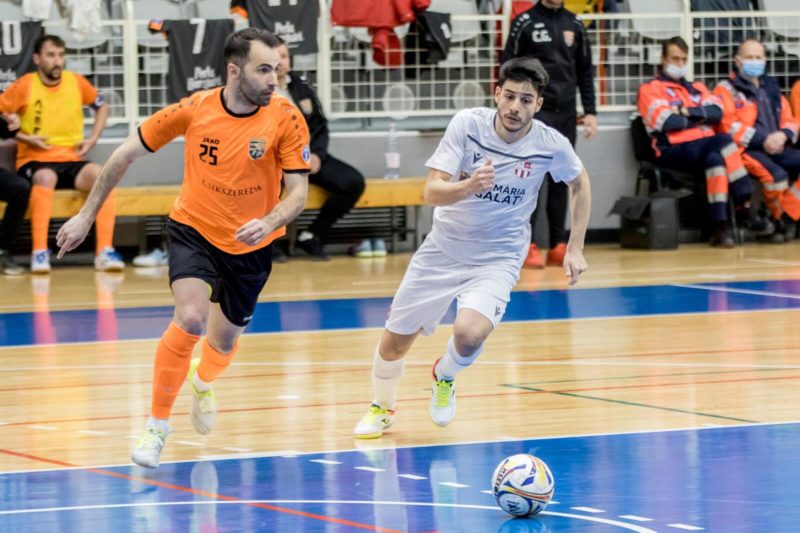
{"x": 381, "y": 17}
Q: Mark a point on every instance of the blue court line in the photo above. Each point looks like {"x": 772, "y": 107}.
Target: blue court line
{"x": 741, "y": 478}
{"x": 30, "y": 328}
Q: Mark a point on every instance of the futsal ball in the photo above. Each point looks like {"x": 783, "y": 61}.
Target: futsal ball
{"x": 522, "y": 485}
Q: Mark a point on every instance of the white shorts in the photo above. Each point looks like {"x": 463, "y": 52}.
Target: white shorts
{"x": 433, "y": 280}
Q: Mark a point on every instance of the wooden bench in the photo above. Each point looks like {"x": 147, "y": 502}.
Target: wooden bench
{"x": 156, "y": 200}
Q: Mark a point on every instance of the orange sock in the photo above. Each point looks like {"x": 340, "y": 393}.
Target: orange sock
{"x": 213, "y": 363}
{"x": 41, "y": 208}
{"x": 104, "y": 223}
{"x": 173, "y": 355}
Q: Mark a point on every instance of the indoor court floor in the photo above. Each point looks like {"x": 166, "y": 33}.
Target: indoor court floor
{"x": 661, "y": 391}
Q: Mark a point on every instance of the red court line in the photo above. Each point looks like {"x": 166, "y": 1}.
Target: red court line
{"x": 212, "y": 495}
{"x": 224, "y": 377}
{"x": 422, "y": 399}
{"x": 350, "y": 369}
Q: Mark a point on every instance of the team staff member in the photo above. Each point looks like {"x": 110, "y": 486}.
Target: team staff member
{"x": 15, "y": 191}
{"x": 344, "y": 183}
{"x": 681, "y": 117}
{"x": 557, "y": 38}
{"x": 51, "y": 146}
{"x": 760, "y": 120}
{"x": 240, "y": 141}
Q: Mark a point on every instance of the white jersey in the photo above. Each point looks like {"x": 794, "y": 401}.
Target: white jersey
{"x": 495, "y": 225}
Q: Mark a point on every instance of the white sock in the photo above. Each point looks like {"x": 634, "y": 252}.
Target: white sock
{"x": 452, "y": 362}
{"x": 385, "y": 379}
{"x": 160, "y": 423}
{"x": 199, "y": 384}
{"x": 305, "y": 235}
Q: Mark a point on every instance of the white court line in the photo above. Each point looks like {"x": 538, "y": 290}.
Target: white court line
{"x": 737, "y": 291}
{"x": 635, "y": 518}
{"x": 587, "y": 509}
{"x": 453, "y": 484}
{"x": 631, "y": 527}
{"x": 686, "y": 527}
{"x": 412, "y": 476}
{"x": 242, "y": 455}
{"x": 417, "y": 446}
{"x": 487, "y": 492}
{"x": 188, "y": 443}
{"x": 370, "y": 469}
{"x": 325, "y": 461}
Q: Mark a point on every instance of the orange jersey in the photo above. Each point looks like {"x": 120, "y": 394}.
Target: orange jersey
{"x": 55, "y": 113}
{"x": 233, "y": 164}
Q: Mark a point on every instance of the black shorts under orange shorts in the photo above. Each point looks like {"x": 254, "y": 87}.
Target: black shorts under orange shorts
{"x": 235, "y": 280}
{"x": 67, "y": 172}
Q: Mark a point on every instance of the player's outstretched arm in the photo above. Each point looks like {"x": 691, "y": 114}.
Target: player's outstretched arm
{"x": 75, "y": 229}
{"x": 290, "y": 206}
{"x": 580, "y": 208}
{"x": 439, "y": 190}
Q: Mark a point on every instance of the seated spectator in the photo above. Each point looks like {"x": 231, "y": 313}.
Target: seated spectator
{"x": 760, "y": 120}
{"x": 680, "y": 116}
{"x": 15, "y": 192}
{"x": 794, "y": 99}
{"x": 51, "y": 146}
{"x": 344, "y": 182}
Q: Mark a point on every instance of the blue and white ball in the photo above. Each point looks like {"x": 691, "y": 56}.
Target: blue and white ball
{"x": 523, "y": 485}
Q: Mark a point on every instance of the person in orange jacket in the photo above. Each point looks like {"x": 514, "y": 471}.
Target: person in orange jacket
{"x": 794, "y": 99}
{"x": 760, "y": 120}
{"x": 681, "y": 117}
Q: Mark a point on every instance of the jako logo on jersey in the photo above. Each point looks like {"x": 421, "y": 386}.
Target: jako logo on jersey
{"x": 306, "y": 153}
{"x": 524, "y": 170}
{"x": 476, "y": 157}
{"x": 257, "y": 148}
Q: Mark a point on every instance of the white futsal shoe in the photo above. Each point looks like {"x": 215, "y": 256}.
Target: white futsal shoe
{"x": 443, "y": 401}
{"x": 204, "y": 404}
{"x": 374, "y": 423}
{"x": 147, "y": 451}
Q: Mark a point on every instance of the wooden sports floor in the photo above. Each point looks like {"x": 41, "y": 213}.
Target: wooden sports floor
{"x": 662, "y": 390}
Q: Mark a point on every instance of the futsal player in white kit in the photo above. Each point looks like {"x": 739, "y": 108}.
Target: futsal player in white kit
{"x": 484, "y": 179}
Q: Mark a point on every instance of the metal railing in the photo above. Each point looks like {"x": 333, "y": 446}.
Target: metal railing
{"x": 131, "y": 70}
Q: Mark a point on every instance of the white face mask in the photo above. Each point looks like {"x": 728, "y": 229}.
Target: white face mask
{"x": 674, "y": 71}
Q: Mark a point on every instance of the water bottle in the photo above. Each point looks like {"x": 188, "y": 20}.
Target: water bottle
{"x": 392, "y": 154}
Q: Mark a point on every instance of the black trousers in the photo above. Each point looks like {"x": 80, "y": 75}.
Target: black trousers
{"x": 345, "y": 185}
{"x": 564, "y": 122}
{"x": 16, "y": 192}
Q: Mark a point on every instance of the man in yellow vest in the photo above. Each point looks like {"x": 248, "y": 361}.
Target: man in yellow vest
{"x": 51, "y": 146}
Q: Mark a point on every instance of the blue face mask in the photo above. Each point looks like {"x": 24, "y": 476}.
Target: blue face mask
{"x": 753, "y": 68}
{"x": 674, "y": 71}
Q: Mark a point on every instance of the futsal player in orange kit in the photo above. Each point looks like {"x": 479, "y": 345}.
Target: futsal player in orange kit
{"x": 240, "y": 140}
